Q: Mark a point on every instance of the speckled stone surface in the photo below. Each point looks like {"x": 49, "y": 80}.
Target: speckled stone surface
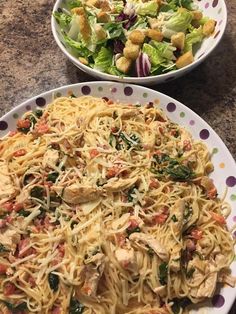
{"x": 31, "y": 63}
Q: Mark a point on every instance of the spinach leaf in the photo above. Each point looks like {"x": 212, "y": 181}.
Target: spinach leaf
{"x": 130, "y": 194}
{"x": 163, "y": 272}
{"x": 24, "y": 213}
{"x": 76, "y": 307}
{"x": 38, "y": 113}
{"x": 174, "y": 218}
{"x": 189, "y": 273}
{"x": 53, "y": 280}
{"x": 16, "y": 308}
{"x": 179, "y": 172}
{"x": 37, "y": 192}
{"x": 52, "y": 176}
{"x": 133, "y": 137}
{"x": 129, "y": 231}
{"x": 3, "y": 249}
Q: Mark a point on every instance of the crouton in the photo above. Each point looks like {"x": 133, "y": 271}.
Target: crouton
{"x": 103, "y": 17}
{"x": 131, "y": 52}
{"x": 84, "y": 26}
{"x": 184, "y": 60}
{"x": 104, "y": 6}
{"x": 78, "y": 11}
{"x": 93, "y": 3}
{"x": 123, "y": 64}
{"x": 197, "y": 15}
{"x": 137, "y": 37}
{"x": 154, "y": 34}
{"x": 178, "y": 40}
{"x": 128, "y": 43}
{"x": 83, "y": 60}
{"x": 100, "y": 32}
{"x": 209, "y": 27}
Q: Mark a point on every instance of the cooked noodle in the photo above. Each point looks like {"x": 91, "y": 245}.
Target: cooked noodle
{"x": 107, "y": 208}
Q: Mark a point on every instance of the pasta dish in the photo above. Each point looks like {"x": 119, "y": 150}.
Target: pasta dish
{"x": 108, "y": 208}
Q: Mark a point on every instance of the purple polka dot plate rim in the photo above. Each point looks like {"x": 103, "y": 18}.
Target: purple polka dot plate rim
{"x": 215, "y": 9}
{"x": 177, "y": 112}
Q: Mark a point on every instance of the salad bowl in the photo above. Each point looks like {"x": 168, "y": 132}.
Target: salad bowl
{"x": 100, "y": 45}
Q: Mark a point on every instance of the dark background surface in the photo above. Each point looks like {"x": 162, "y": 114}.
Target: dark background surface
{"x": 31, "y": 63}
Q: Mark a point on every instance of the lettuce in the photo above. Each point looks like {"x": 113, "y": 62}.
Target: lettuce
{"x": 62, "y": 19}
{"x": 73, "y": 4}
{"x": 179, "y": 21}
{"x": 154, "y": 55}
{"x": 114, "y": 29}
{"x": 118, "y": 6}
{"x": 159, "y": 52}
{"x": 103, "y": 61}
{"x": 140, "y": 24}
{"x": 77, "y": 47}
{"x": 147, "y": 8}
{"x": 193, "y": 37}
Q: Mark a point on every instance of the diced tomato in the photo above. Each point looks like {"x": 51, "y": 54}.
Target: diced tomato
{"x": 112, "y": 172}
{"x": 12, "y": 133}
{"x": 218, "y": 218}
{"x": 9, "y": 289}
{"x": 212, "y": 193}
{"x": 86, "y": 289}
{"x": 3, "y": 269}
{"x": 17, "y": 207}
{"x": 154, "y": 184}
{"x": 23, "y": 252}
{"x": 8, "y": 206}
{"x": 9, "y": 219}
{"x": 114, "y": 129}
{"x": 48, "y": 183}
{"x": 23, "y": 123}
{"x": 133, "y": 223}
{"x": 110, "y": 102}
{"x": 120, "y": 239}
{"x": 3, "y": 223}
{"x": 93, "y": 153}
{"x": 61, "y": 249}
{"x": 160, "y": 218}
{"x": 161, "y": 130}
{"x": 56, "y": 310}
{"x": 196, "y": 234}
{"x": 19, "y": 153}
{"x": 31, "y": 281}
{"x": 187, "y": 145}
{"x": 42, "y": 128}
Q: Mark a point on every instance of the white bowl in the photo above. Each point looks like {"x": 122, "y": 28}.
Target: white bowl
{"x": 215, "y": 9}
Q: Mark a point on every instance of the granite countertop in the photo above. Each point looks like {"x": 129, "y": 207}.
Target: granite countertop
{"x": 31, "y": 63}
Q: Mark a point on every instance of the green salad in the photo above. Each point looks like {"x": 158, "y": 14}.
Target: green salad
{"x": 134, "y": 37}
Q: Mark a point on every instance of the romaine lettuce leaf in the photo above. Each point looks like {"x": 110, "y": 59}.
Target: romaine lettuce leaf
{"x": 62, "y": 19}
{"x": 154, "y": 55}
{"x": 77, "y": 47}
{"x": 103, "y": 61}
{"x": 114, "y": 29}
{"x": 73, "y": 4}
{"x": 175, "y": 4}
{"x": 179, "y": 21}
{"x": 192, "y": 38}
{"x": 140, "y": 24}
{"x": 147, "y": 8}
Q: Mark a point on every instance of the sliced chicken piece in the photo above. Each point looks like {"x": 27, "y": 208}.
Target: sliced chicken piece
{"x": 51, "y": 157}
{"x": 120, "y": 184}
{"x": 207, "y": 288}
{"x": 75, "y": 193}
{"x": 153, "y": 243}
{"x": 175, "y": 256}
{"x": 228, "y": 279}
{"x": 10, "y": 239}
{"x": 93, "y": 272}
{"x": 177, "y": 215}
{"x": 129, "y": 113}
{"x": 7, "y": 189}
{"x": 126, "y": 258}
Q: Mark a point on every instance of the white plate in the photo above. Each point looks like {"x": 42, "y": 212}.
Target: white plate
{"x": 224, "y": 174}
{"x": 215, "y": 9}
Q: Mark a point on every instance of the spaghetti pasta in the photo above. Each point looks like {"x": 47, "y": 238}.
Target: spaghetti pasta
{"x": 107, "y": 208}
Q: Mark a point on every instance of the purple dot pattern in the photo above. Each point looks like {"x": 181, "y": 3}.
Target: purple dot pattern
{"x": 28, "y": 107}
{"x": 191, "y": 122}
{"x": 231, "y": 181}
{"x": 114, "y": 90}
{"x": 204, "y": 134}
{"x": 40, "y": 101}
{"x": 3, "y": 125}
{"x": 218, "y": 300}
{"x": 234, "y": 218}
{"x": 215, "y": 3}
{"x": 207, "y": 5}
{"x": 171, "y": 107}
{"x": 128, "y": 91}
{"x": 86, "y": 90}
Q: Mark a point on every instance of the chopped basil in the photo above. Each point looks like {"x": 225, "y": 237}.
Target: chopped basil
{"x": 76, "y": 307}
{"x": 160, "y": 158}
{"x": 189, "y": 273}
{"x": 129, "y": 231}
{"x": 38, "y": 113}
{"x": 163, "y": 272}
{"x": 37, "y": 192}
{"x": 3, "y": 249}
{"x": 24, "y": 213}
{"x": 52, "y": 176}
{"x": 53, "y": 280}
{"x": 174, "y": 218}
